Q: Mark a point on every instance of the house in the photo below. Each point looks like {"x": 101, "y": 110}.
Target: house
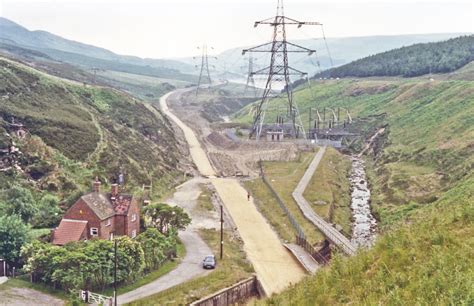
{"x": 99, "y": 215}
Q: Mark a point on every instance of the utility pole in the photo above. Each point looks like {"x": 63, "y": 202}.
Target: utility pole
{"x": 250, "y": 79}
{"x": 204, "y": 68}
{"x": 95, "y": 74}
{"x": 279, "y": 70}
{"x": 222, "y": 232}
{"x": 115, "y": 272}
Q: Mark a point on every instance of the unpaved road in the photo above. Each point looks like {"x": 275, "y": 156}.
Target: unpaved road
{"x": 24, "y": 296}
{"x": 274, "y": 265}
{"x": 197, "y": 153}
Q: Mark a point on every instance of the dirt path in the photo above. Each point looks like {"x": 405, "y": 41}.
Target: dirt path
{"x": 275, "y": 266}
{"x": 326, "y": 228}
{"x": 24, "y": 296}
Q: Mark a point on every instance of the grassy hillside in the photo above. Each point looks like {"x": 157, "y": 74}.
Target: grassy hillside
{"x": 415, "y": 60}
{"x": 426, "y": 260}
{"x": 78, "y": 132}
{"x": 421, "y": 175}
{"x": 429, "y": 142}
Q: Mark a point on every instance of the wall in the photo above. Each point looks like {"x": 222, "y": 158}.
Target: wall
{"x": 236, "y": 294}
{"x": 81, "y": 211}
{"x": 133, "y": 225}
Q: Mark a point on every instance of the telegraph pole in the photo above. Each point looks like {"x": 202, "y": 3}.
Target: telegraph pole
{"x": 222, "y": 232}
{"x": 115, "y": 272}
{"x": 279, "y": 70}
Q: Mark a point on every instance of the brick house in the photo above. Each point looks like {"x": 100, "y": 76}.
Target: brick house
{"x": 99, "y": 215}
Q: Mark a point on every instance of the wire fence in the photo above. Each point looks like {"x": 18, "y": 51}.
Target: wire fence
{"x": 292, "y": 219}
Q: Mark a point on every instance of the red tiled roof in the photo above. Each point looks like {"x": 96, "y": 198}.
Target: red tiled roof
{"x": 68, "y": 231}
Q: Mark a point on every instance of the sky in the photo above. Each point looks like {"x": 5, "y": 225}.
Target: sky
{"x": 174, "y": 28}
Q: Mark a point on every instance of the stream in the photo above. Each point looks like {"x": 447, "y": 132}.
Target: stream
{"x": 364, "y": 224}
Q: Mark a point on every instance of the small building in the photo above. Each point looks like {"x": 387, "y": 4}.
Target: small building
{"x": 99, "y": 215}
{"x": 275, "y": 135}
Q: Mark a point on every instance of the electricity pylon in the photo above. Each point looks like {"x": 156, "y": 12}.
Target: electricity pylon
{"x": 204, "y": 68}
{"x": 250, "y": 79}
{"x": 279, "y": 70}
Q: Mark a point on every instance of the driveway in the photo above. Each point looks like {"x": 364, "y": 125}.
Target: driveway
{"x": 196, "y": 249}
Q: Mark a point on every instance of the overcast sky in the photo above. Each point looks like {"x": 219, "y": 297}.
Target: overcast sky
{"x": 173, "y": 28}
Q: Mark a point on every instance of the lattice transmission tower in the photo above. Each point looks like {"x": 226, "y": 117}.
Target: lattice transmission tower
{"x": 250, "y": 79}
{"x": 204, "y": 74}
{"x": 279, "y": 71}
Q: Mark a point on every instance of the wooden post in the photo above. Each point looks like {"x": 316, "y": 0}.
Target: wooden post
{"x": 115, "y": 272}
{"x": 222, "y": 232}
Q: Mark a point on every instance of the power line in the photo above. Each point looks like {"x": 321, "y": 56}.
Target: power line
{"x": 279, "y": 69}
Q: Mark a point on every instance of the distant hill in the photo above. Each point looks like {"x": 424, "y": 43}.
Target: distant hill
{"x": 415, "y": 60}
{"x": 343, "y": 50}
{"x": 15, "y": 38}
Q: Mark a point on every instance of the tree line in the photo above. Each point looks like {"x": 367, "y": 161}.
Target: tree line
{"x": 411, "y": 61}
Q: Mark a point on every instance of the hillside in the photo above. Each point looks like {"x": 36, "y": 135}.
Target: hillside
{"x": 77, "y": 132}
{"x": 426, "y": 260}
{"x": 421, "y": 175}
{"x": 18, "y": 41}
{"x": 342, "y": 49}
{"x": 15, "y": 33}
{"x": 415, "y": 60}
{"x": 429, "y": 137}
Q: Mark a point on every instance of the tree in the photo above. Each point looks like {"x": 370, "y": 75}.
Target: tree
{"x": 20, "y": 201}
{"x": 48, "y": 213}
{"x": 154, "y": 245}
{"x": 162, "y": 216}
{"x": 13, "y": 235}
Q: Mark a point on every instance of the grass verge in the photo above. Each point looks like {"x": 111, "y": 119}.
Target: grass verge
{"x": 328, "y": 191}
{"x": 284, "y": 177}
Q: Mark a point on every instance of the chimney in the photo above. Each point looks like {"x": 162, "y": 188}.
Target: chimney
{"x": 114, "y": 190}
{"x": 96, "y": 185}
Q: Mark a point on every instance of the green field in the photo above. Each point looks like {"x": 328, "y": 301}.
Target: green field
{"x": 284, "y": 177}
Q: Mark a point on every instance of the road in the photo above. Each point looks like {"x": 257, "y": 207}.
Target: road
{"x": 327, "y": 229}
{"x": 196, "y": 248}
{"x": 275, "y": 266}
{"x": 188, "y": 269}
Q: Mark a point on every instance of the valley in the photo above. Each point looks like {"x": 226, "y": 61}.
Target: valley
{"x": 135, "y": 181}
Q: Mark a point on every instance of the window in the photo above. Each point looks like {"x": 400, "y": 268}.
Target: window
{"x": 94, "y": 231}
{"x": 134, "y": 233}
{"x": 107, "y": 223}
{"x": 134, "y": 217}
